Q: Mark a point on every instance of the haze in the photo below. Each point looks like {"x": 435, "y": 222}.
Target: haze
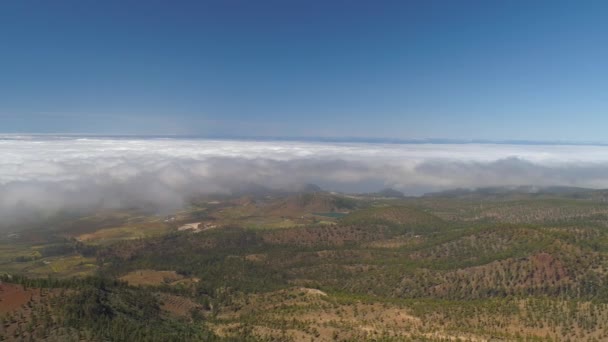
{"x": 48, "y": 174}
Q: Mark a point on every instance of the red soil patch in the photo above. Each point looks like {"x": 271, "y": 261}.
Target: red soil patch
{"x": 13, "y": 296}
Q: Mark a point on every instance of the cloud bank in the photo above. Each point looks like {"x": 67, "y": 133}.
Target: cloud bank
{"x": 41, "y": 175}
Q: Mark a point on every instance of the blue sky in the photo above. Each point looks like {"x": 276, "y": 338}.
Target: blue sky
{"x": 532, "y": 70}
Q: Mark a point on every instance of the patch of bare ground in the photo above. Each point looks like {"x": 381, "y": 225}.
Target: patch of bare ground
{"x": 197, "y": 227}
{"x": 25, "y": 313}
{"x": 190, "y": 226}
{"x": 261, "y": 257}
{"x": 153, "y": 278}
{"x": 14, "y": 296}
{"x": 397, "y": 242}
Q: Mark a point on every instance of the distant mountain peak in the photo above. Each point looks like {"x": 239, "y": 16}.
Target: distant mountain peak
{"x": 390, "y": 192}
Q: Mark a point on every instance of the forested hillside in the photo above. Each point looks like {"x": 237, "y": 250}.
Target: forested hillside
{"x": 406, "y": 269}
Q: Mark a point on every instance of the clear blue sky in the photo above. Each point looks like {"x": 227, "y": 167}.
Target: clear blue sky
{"x": 403, "y": 69}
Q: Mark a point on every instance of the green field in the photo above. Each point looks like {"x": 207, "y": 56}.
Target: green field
{"x": 331, "y": 214}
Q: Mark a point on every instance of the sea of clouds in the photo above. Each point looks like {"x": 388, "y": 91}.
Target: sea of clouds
{"x": 42, "y": 175}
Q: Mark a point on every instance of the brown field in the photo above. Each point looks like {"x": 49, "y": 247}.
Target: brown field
{"x": 129, "y": 232}
{"x": 153, "y": 278}
{"x": 14, "y": 296}
{"x": 18, "y": 305}
{"x": 397, "y": 242}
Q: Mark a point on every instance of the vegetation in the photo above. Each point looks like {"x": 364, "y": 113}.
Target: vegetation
{"x": 462, "y": 265}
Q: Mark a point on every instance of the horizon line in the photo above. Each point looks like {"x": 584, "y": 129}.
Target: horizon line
{"x": 337, "y": 139}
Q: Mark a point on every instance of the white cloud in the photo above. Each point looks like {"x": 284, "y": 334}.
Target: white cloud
{"x": 47, "y": 174}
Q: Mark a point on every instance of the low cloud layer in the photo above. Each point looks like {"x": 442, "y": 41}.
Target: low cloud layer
{"x": 39, "y": 176}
